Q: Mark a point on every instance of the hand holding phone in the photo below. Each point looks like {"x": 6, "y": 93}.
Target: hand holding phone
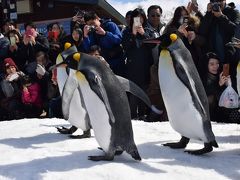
{"x": 225, "y": 70}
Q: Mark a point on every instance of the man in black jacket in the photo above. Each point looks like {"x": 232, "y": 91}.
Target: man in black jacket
{"x": 155, "y": 29}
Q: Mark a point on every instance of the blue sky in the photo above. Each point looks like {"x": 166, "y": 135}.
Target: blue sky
{"x": 167, "y": 5}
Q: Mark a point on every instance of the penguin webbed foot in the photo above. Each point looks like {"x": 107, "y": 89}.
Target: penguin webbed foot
{"x": 117, "y": 152}
{"x": 101, "y": 158}
{"x": 178, "y": 145}
{"x": 86, "y": 134}
{"x": 207, "y": 148}
{"x": 64, "y": 130}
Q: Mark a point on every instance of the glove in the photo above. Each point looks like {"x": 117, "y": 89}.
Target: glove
{"x": 40, "y": 70}
{"x": 13, "y": 77}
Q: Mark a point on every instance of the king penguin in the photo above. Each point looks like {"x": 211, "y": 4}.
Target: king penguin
{"x": 78, "y": 116}
{"x": 184, "y": 96}
{"x": 105, "y": 98}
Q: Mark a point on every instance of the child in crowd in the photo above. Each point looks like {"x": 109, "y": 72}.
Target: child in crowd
{"x": 31, "y": 98}
{"x": 10, "y": 102}
{"x": 95, "y": 50}
{"x": 75, "y": 38}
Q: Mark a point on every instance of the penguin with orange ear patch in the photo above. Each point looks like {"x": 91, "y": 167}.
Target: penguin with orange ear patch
{"x": 104, "y": 96}
{"x": 184, "y": 96}
{"x": 77, "y": 116}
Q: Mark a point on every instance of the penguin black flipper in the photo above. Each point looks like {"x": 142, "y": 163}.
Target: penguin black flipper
{"x": 181, "y": 71}
{"x": 131, "y": 87}
{"x": 97, "y": 86}
{"x": 185, "y": 68}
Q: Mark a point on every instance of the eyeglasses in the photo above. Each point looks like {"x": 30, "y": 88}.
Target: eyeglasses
{"x": 156, "y": 15}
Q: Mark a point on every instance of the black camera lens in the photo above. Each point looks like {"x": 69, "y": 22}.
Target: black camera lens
{"x": 215, "y": 7}
{"x": 91, "y": 29}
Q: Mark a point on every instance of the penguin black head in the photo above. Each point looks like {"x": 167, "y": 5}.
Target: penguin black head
{"x": 167, "y": 39}
{"x": 67, "y": 55}
{"x": 73, "y": 60}
{"x": 62, "y": 59}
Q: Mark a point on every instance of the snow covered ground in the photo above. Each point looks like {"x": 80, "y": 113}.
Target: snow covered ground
{"x": 33, "y": 149}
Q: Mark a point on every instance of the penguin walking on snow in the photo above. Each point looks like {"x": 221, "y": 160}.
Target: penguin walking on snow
{"x": 78, "y": 116}
{"x": 184, "y": 96}
{"x": 105, "y": 99}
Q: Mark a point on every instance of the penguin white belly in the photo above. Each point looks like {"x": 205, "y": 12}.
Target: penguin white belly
{"x": 77, "y": 113}
{"x": 98, "y": 114}
{"x": 183, "y": 116}
{"x": 61, "y": 78}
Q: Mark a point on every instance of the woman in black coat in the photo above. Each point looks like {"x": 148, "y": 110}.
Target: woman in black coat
{"x": 138, "y": 65}
{"x": 213, "y": 82}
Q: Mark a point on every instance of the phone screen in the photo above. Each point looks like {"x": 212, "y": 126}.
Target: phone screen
{"x": 31, "y": 32}
{"x": 12, "y": 40}
{"x": 136, "y": 21}
{"x": 185, "y": 20}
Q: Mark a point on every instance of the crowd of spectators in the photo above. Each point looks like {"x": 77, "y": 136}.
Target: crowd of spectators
{"x": 28, "y": 86}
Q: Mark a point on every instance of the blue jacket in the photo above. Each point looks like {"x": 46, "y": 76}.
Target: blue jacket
{"x": 112, "y": 38}
{"x": 110, "y": 45}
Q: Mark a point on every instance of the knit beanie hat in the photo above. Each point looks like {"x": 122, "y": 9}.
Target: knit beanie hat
{"x": 9, "y": 62}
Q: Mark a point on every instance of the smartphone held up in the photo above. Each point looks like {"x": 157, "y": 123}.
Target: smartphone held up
{"x": 225, "y": 70}
{"x": 31, "y": 32}
{"x": 137, "y": 21}
{"x": 12, "y": 40}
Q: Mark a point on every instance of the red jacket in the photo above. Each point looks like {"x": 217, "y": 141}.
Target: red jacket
{"x": 33, "y": 95}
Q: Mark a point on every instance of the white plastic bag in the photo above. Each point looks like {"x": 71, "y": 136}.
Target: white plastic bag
{"x": 229, "y": 98}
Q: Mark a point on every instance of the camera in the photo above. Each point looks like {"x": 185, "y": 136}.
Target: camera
{"x": 215, "y": 5}
{"x": 91, "y": 29}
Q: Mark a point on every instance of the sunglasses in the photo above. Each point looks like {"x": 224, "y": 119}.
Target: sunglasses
{"x": 156, "y": 15}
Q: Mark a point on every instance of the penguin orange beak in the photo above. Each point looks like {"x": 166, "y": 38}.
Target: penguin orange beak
{"x": 62, "y": 64}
